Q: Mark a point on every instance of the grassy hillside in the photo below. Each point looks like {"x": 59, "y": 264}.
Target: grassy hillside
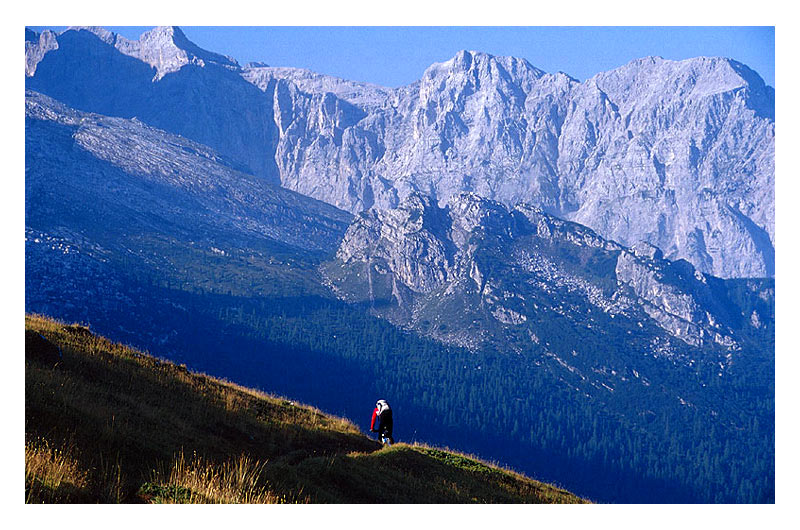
{"x": 106, "y": 423}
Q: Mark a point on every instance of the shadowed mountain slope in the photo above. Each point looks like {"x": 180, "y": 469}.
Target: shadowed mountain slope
{"x": 106, "y": 423}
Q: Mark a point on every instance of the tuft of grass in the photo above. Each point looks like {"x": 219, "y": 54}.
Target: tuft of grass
{"x": 111, "y": 487}
{"x": 238, "y": 481}
{"x": 53, "y": 475}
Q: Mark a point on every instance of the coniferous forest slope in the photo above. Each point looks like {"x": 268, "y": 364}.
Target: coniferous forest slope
{"x": 107, "y": 423}
{"x": 485, "y": 300}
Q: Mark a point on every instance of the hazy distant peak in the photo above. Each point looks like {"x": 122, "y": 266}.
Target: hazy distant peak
{"x": 469, "y": 60}
{"x": 366, "y": 95}
{"x": 721, "y": 68}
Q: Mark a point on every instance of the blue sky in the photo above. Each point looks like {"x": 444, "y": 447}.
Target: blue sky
{"x": 395, "y": 56}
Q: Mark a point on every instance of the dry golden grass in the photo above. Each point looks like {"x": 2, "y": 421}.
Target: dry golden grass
{"x": 52, "y": 475}
{"x": 131, "y": 413}
{"x": 196, "y": 481}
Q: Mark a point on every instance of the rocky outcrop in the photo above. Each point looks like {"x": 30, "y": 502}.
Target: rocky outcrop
{"x": 410, "y": 241}
{"x": 520, "y": 267}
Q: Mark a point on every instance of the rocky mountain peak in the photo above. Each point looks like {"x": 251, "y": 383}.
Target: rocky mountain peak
{"x": 109, "y": 37}
{"x": 479, "y": 71}
{"x": 36, "y": 46}
{"x": 171, "y": 33}
{"x": 471, "y": 60}
{"x": 167, "y": 49}
{"x": 470, "y": 212}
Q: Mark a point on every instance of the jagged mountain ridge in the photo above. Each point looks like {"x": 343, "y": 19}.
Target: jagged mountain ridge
{"x": 668, "y": 171}
{"x": 676, "y": 153}
{"x": 364, "y": 95}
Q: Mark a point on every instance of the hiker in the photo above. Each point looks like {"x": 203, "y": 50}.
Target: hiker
{"x": 382, "y": 421}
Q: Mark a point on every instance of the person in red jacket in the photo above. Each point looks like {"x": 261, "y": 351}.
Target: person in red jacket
{"x": 382, "y": 421}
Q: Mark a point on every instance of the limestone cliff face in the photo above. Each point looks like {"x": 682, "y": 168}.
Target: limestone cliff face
{"x": 676, "y": 153}
{"x": 683, "y": 157}
{"x": 679, "y": 154}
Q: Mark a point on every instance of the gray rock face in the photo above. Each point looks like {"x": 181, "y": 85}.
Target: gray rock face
{"x": 688, "y": 168}
{"x": 36, "y": 46}
{"x": 676, "y": 153}
{"x": 168, "y": 50}
{"x": 515, "y": 271}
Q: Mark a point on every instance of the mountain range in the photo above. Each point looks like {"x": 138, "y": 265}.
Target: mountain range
{"x": 679, "y": 154}
{"x": 489, "y": 232}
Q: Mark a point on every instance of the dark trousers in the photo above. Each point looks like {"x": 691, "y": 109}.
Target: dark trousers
{"x": 386, "y": 425}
